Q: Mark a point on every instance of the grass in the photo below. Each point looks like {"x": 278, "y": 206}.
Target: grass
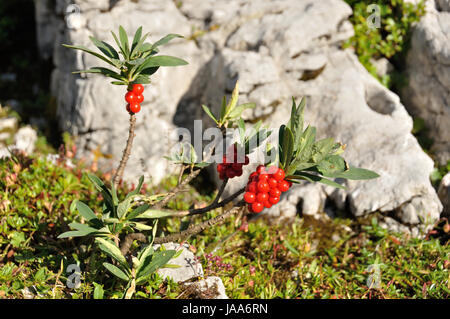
{"x": 303, "y": 259}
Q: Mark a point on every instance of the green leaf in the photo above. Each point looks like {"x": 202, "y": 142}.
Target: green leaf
{"x": 103, "y": 71}
{"x": 166, "y": 39}
{"x": 137, "y": 49}
{"x": 111, "y": 250}
{"x": 142, "y": 227}
{"x": 143, "y": 254}
{"x": 82, "y": 48}
{"x": 74, "y": 233}
{"x": 118, "y": 43}
{"x": 237, "y": 112}
{"x": 116, "y": 271}
{"x": 124, "y": 206}
{"x": 287, "y": 148}
{"x": 355, "y": 173}
{"x": 137, "y": 211}
{"x": 332, "y": 165}
{"x": 104, "y": 190}
{"x": 124, "y": 42}
{"x": 142, "y": 79}
{"x": 153, "y": 213}
{"x": 209, "y": 113}
{"x": 136, "y": 39}
{"x": 162, "y": 60}
{"x": 149, "y": 71}
{"x": 137, "y": 190}
{"x": 315, "y": 178}
{"x": 83, "y": 228}
{"x": 291, "y": 248}
{"x": 85, "y": 211}
{"x": 106, "y": 49}
{"x": 98, "y": 291}
{"x": 158, "y": 260}
{"x": 233, "y": 101}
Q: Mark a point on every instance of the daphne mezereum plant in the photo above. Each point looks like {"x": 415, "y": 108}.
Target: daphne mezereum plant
{"x": 299, "y": 157}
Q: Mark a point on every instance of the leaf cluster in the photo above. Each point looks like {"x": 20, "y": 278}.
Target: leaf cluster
{"x": 132, "y": 63}
{"x": 304, "y": 158}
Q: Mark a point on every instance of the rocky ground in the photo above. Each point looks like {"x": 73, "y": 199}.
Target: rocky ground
{"x": 277, "y": 49}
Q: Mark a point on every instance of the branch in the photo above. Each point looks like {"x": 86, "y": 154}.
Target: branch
{"x": 200, "y": 227}
{"x": 177, "y": 189}
{"x": 128, "y": 240}
{"x": 126, "y": 151}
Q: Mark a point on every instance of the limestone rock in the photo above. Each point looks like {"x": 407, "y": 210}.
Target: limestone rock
{"x": 189, "y": 267}
{"x": 444, "y": 195}
{"x": 276, "y": 49}
{"x": 428, "y": 66}
{"x": 212, "y": 287}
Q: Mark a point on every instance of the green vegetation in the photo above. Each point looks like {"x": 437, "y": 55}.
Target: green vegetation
{"x": 260, "y": 260}
{"x": 389, "y": 41}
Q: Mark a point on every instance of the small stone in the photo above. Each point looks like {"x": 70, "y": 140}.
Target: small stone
{"x": 189, "y": 267}
{"x": 211, "y": 286}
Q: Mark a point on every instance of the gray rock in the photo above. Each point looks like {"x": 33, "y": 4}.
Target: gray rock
{"x": 93, "y": 110}
{"x": 25, "y": 139}
{"x": 213, "y": 285}
{"x": 444, "y": 194}
{"x": 189, "y": 267}
{"x": 428, "y": 66}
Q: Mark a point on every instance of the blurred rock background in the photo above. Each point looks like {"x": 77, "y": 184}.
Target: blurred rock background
{"x": 387, "y": 98}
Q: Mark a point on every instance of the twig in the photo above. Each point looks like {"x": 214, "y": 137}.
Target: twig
{"x": 214, "y": 205}
{"x": 199, "y": 227}
{"x": 128, "y": 240}
{"x": 175, "y": 191}
{"x": 126, "y": 152}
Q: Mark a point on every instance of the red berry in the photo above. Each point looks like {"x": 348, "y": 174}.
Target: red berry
{"x": 220, "y": 168}
{"x": 237, "y": 166}
{"x": 279, "y": 174}
{"x": 267, "y": 204}
{"x": 263, "y": 186}
{"x": 261, "y": 169}
{"x": 274, "y": 200}
{"x": 252, "y": 187}
{"x": 275, "y": 192}
{"x": 283, "y": 186}
{"x": 249, "y": 197}
{"x": 139, "y": 98}
{"x": 135, "y": 107}
{"x": 238, "y": 172}
{"x": 222, "y": 175}
{"x": 262, "y": 197}
{"x": 263, "y": 177}
{"x": 128, "y": 107}
{"x": 250, "y": 209}
{"x": 130, "y": 97}
{"x": 272, "y": 182}
{"x": 247, "y": 160}
{"x": 253, "y": 176}
{"x": 272, "y": 169}
{"x": 257, "y": 207}
{"x": 138, "y": 88}
{"x": 230, "y": 173}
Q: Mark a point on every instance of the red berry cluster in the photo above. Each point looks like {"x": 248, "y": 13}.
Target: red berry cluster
{"x": 229, "y": 168}
{"x": 264, "y": 188}
{"x": 134, "y": 98}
